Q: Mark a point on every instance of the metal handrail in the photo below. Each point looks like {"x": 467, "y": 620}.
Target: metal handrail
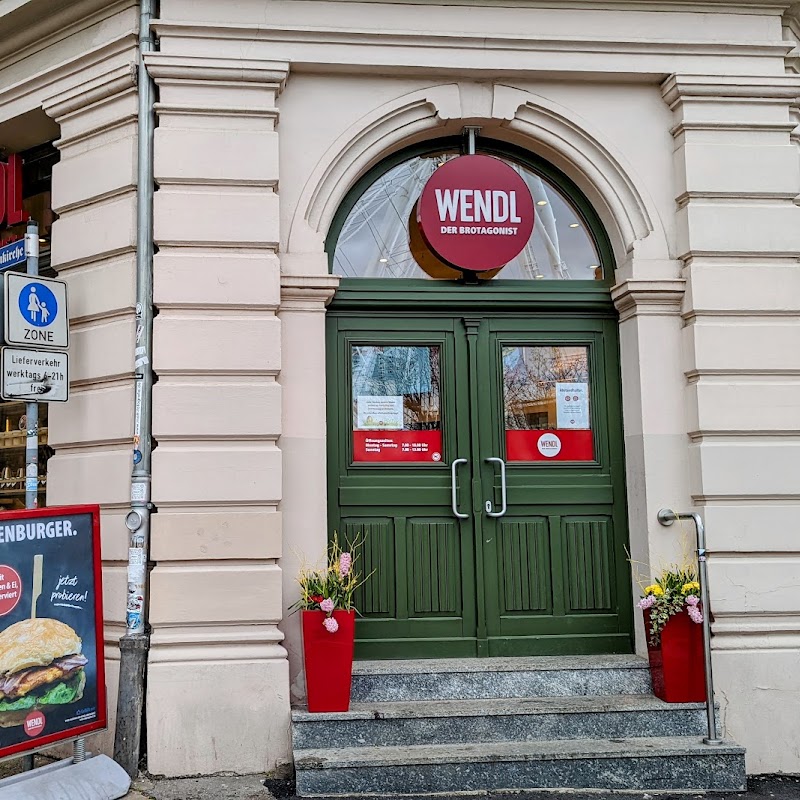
{"x": 666, "y": 517}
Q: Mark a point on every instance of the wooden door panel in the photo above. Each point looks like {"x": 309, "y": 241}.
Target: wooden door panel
{"x": 435, "y": 573}
{"x": 377, "y": 596}
{"x": 524, "y": 566}
{"x": 589, "y": 571}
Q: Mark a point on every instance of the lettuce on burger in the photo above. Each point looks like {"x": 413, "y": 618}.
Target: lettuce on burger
{"x": 41, "y": 666}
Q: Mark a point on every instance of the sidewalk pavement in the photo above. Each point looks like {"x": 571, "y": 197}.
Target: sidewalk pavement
{"x": 773, "y": 787}
{"x": 251, "y": 787}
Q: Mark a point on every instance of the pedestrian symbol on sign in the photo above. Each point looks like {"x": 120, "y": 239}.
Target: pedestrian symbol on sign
{"x": 38, "y": 305}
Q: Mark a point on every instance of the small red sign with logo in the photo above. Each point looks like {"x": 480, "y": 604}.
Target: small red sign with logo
{"x": 555, "y": 445}
{"x": 10, "y": 589}
{"x": 397, "y": 446}
{"x": 476, "y": 213}
{"x": 34, "y": 723}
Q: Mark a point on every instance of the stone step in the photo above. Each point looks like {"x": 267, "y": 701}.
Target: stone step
{"x": 503, "y": 720}
{"x": 487, "y": 678}
{"x": 653, "y": 764}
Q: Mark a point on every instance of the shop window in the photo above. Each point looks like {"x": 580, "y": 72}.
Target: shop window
{"x": 380, "y": 239}
{"x": 37, "y": 166}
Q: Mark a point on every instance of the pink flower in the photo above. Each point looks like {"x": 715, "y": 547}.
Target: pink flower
{"x": 326, "y": 605}
{"x": 345, "y": 562}
{"x": 695, "y": 614}
{"x": 691, "y": 600}
{"x": 331, "y": 625}
{"x": 647, "y": 602}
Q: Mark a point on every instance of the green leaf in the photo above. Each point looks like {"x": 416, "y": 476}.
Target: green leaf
{"x": 58, "y": 694}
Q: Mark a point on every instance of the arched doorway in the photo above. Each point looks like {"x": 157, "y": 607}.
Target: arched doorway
{"x": 474, "y": 427}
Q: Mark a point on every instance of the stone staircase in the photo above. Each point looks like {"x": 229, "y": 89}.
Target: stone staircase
{"x": 465, "y": 725}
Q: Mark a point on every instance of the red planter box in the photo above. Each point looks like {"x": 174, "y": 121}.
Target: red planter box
{"x": 328, "y": 660}
{"x": 677, "y": 666}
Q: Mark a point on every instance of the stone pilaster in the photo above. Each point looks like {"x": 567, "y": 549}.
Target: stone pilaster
{"x": 303, "y": 442}
{"x": 216, "y": 587}
{"x": 655, "y": 417}
{"x": 93, "y": 250}
{"x": 738, "y": 177}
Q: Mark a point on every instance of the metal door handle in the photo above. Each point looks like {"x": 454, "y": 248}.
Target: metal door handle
{"x": 454, "y": 490}
{"x": 503, "y": 500}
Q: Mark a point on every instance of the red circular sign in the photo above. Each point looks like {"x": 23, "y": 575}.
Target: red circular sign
{"x": 10, "y": 589}
{"x": 34, "y": 723}
{"x": 476, "y": 213}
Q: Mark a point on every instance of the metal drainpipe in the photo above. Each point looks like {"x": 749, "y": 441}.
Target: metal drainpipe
{"x": 134, "y": 645}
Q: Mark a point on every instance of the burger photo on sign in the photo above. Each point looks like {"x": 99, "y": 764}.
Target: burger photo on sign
{"x": 41, "y": 667}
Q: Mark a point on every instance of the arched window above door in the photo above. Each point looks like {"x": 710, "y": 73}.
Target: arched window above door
{"x": 375, "y": 235}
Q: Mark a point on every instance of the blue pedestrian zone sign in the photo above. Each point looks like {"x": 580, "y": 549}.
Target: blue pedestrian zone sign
{"x": 35, "y": 311}
{"x": 38, "y": 305}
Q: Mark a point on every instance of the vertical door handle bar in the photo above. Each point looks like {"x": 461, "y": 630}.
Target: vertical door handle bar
{"x": 504, "y": 506}
{"x": 454, "y": 488}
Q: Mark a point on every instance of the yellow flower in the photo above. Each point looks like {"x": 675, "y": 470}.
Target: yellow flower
{"x": 692, "y": 586}
{"x": 658, "y": 591}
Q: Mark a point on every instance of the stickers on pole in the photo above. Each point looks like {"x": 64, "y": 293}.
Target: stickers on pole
{"x": 52, "y": 673}
{"x": 34, "y": 375}
{"x": 36, "y": 312}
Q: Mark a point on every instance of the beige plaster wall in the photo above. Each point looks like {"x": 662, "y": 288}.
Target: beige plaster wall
{"x": 268, "y": 113}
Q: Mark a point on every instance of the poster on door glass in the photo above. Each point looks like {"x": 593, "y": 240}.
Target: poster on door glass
{"x": 379, "y": 413}
{"x": 396, "y": 417}
{"x": 572, "y": 406}
{"x": 546, "y": 403}
{"x": 52, "y": 678}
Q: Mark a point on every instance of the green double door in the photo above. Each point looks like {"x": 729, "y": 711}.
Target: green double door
{"x": 480, "y": 460}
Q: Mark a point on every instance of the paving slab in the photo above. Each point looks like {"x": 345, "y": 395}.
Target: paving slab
{"x": 218, "y": 787}
{"x": 770, "y": 787}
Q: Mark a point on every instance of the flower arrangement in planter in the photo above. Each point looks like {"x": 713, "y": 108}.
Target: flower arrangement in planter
{"x": 673, "y": 619}
{"x": 328, "y": 622}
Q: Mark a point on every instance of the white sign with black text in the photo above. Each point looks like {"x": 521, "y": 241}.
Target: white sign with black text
{"x": 35, "y": 375}
{"x": 36, "y": 312}
{"x": 572, "y": 406}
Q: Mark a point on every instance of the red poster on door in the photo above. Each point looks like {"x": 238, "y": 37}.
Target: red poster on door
{"x": 394, "y": 446}
{"x": 552, "y": 445}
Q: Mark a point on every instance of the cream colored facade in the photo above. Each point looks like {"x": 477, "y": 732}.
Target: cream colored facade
{"x": 679, "y": 120}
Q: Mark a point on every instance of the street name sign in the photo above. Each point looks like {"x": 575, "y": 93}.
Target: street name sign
{"x": 34, "y": 375}
{"x": 35, "y": 311}
{"x": 12, "y": 254}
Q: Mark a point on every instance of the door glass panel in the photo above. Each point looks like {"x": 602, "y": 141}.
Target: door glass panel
{"x": 396, "y": 403}
{"x": 546, "y": 396}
